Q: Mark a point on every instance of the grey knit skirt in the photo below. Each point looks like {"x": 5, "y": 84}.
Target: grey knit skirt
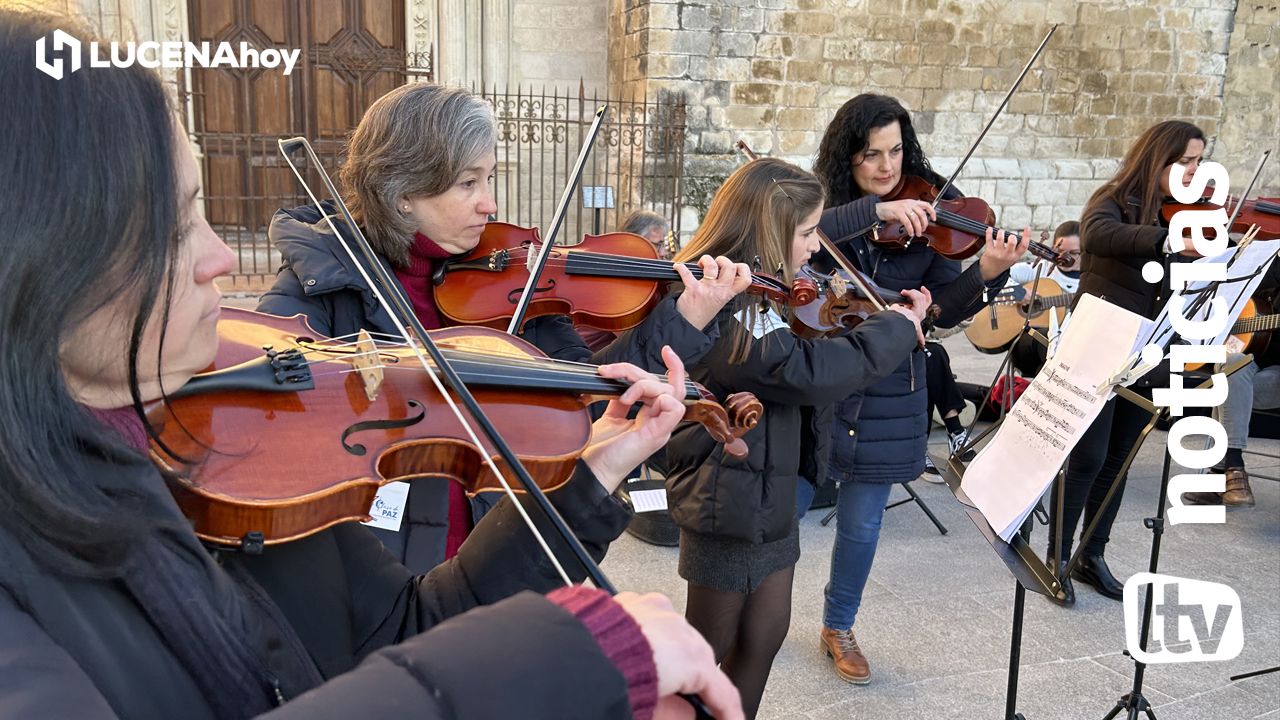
{"x": 730, "y": 565}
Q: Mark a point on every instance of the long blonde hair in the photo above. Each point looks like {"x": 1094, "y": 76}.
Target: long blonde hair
{"x": 753, "y": 220}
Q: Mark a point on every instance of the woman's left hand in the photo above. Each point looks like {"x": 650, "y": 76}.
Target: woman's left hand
{"x": 1003, "y": 250}
{"x": 618, "y": 443}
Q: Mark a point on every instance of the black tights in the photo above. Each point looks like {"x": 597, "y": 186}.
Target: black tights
{"x": 745, "y": 630}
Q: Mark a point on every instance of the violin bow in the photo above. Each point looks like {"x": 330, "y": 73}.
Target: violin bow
{"x": 401, "y": 315}
{"x": 557, "y": 219}
{"x": 994, "y": 116}
{"x": 1257, "y": 172}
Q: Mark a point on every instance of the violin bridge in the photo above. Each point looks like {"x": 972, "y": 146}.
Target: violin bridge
{"x": 367, "y": 362}
{"x": 838, "y": 285}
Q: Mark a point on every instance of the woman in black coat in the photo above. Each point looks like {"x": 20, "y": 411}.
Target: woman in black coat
{"x": 111, "y": 607}
{"x": 738, "y": 536}
{"x": 418, "y": 179}
{"x": 1120, "y": 232}
{"x": 880, "y": 435}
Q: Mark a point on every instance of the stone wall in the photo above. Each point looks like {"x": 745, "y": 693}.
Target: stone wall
{"x": 559, "y": 42}
{"x": 774, "y": 71}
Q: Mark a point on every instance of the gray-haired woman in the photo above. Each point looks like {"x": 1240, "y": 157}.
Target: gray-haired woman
{"x": 418, "y": 180}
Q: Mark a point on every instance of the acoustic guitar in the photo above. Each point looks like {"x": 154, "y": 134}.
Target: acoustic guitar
{"x": 996, "y": 326}
{"x": 1252, "y": 329}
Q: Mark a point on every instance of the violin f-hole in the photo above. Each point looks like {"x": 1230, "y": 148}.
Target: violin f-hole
{"x": 358, "y": 449}
{"x": 513, "y": 297}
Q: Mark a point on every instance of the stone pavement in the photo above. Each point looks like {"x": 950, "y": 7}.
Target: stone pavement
{"x": 935, "y": 619}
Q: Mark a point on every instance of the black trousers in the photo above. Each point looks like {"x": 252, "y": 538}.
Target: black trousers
{"x": 944, "y": 395}
{"x": 1093, "y": 464}
{"x": 1028, "y": 356}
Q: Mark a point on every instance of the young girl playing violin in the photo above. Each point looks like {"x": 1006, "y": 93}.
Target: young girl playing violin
{"x": 111, "y": 607}
{"x": 1121, "y": 230}
{"x": 417, "y": 179}
{"x": 880, "y": 435}
{"x": 738, "y": 533}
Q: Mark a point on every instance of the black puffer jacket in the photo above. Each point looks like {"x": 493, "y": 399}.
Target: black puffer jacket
{"x": 1115, "y": 247}
{"x": 360, "y": 635}
{"x": 319, "y": 280}
{"x": 880, "y": 435}
{"x": 753, "y": 498}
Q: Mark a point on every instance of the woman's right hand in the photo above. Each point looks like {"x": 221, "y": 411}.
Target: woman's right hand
{"x": 913, "y": 214}
{"x": 921, "y": 301}
{"x": 684, "y": 660}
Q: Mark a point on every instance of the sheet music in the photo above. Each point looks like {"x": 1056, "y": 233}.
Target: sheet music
{"x": 1013, "y": 470}
{"x": 1243, "y": 277}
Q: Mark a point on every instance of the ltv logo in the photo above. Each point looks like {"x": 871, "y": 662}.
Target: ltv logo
{"x": 1191, "y": 620}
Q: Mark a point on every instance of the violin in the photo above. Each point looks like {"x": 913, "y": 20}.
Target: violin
{"x": 608, "y": 282}
{"x": 842, "y": 304}
{"x": 345, "y": 418}
{"x": 1263, "y": 212}
{"x": 960, "y": 229}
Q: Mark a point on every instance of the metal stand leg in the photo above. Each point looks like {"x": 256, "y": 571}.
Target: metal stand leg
{"x": 1133, "y": 701}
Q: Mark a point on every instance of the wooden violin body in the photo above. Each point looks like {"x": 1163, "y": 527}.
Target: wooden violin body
{"x": 960, "y": 231}
{"x": 838, "y": 304}
{"x": 279, "y": 446}
{"x": 1263, "y": 212}
{"x": 608, "y": 282}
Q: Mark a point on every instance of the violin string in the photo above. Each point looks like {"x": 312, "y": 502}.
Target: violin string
{"x": 964, "y": 224}
{"x": 551, "y": 368}
{"x": 403, "y": 332}
{"x": 589, "y": 260}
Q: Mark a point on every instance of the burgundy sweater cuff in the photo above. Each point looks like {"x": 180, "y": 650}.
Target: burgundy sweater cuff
{"x": 619, "y": 638}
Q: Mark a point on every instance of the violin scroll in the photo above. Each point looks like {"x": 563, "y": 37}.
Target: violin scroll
{"x": 803, "y": 291}
{"x": 728, "y": 423}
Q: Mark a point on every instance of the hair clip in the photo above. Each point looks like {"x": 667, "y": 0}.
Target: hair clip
{"x": 782, "y": 189}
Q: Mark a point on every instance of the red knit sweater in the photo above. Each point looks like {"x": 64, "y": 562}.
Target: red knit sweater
{"x": 416, "y": 279}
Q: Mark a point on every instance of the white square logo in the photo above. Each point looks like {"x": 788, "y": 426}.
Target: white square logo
{"x": 1191, "y": 620}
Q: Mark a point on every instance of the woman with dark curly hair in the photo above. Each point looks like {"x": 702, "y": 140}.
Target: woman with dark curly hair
{"x": 880, "y": 436}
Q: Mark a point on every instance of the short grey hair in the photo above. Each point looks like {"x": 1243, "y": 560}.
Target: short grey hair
{"x": 415, "y": 141}
{"x": 641, "y": 221}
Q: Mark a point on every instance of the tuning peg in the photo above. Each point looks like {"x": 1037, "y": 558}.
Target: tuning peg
{"x": 755, "y": 264}
{"x": 778, "y": 273}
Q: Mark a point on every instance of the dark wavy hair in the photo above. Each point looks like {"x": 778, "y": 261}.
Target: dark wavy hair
{"x": 1138, "y": 179}
{"x": 846, "y": 136}
{"x": 90, "y": 214}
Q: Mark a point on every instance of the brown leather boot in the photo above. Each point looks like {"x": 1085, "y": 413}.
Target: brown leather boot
{"x": 851, "y": 664}
{"x": 1238, "y": 493}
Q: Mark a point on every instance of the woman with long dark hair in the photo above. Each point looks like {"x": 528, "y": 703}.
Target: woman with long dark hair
{"x": 1120, "y": 232}
{"x": 738, "y": 537}
{"x": 880, "y": 436}
{"x": 109, "y": 604}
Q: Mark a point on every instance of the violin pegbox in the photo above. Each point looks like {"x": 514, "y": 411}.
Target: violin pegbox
{"x": 366, "y": 361}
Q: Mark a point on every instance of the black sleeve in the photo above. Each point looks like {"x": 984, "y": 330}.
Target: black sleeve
{"x": 664, "y": 325}
{"x": 1105, "y": 233}
{"x": 641, "y": 345}
{"x": 959, "y": 294}
{"x": 841, "y": 221}
{"x": 556, "y": 336}
{"x": 499, "y": 559}
{"x": 781, "y": 368}
{"x": 522, "y": 657}
{"x": 287, "y": 298}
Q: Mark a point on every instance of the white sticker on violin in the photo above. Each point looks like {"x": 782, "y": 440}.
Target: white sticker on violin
{"x": 767, "y": 322}
{"x": 388, "y": 506}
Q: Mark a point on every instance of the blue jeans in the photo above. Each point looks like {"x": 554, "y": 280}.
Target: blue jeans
{"x": 1249, "y": 389}
{"x": 859, "y": 510}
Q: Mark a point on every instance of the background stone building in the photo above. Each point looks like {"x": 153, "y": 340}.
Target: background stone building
{"x": 773, "y": 72}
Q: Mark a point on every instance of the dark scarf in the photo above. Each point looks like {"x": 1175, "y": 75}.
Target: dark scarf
{"x": 173, "y": 589}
